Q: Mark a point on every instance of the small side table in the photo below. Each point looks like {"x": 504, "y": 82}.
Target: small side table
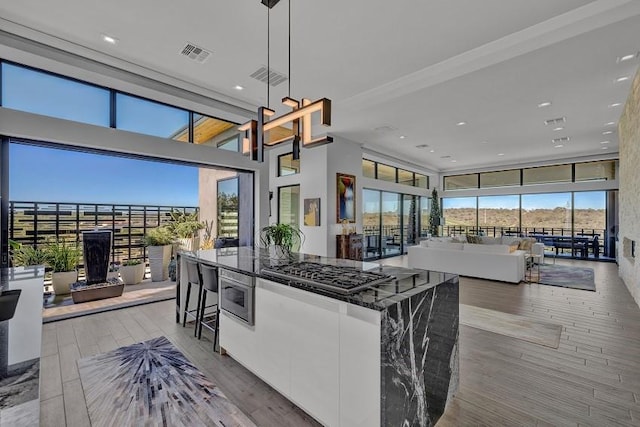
{"x": 532, "y": 262}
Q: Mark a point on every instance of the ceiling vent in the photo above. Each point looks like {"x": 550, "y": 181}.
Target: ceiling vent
{"x": 557, "y": 121}
{"x": 445, "y": 157}
{"x": 275, "y": 77}
{"x": 385, "y": 128}
{"x": 560, "y": 140}
{"x": 422, "y": 146}
{"x": 196, "y": 53}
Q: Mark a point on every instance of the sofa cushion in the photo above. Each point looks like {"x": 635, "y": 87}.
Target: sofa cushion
{"x": 491, "y": 240}
{"x": 509, "y": 240}
{"x": 486, "y": 249}
{"x": 526, "y": 244}
{"x": 424, "y": 243}
{"x": 445, "y": 245}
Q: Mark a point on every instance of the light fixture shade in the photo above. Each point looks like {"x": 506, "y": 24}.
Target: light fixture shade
{"x": 270, "y": 3}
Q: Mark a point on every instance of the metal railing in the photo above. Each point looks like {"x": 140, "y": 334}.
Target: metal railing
{"x": 35, "y": 223}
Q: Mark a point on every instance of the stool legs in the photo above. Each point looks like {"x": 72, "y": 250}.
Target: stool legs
{"x": 186, "y": 307}
{"x": 204, "y": 304}
{"x": 195, "y": 329}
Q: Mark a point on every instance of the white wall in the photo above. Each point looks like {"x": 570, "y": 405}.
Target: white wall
{"x": 629, "y": 136}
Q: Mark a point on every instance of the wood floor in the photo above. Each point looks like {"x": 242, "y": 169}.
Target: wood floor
{"x": 592, "y": 379}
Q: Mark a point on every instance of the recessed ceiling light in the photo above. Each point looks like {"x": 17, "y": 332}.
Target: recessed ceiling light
{"x": 109, "y": 39}
{"x": 500, "y": 154}
{"x": 607, "y": 132}
{"x": 402, "y": 137}
{"x": 622, "y": 79}
{"x": 604, "y": 142}
{"x": 461, "y": 123}
{"x": 544, "y": 104}
{"x": 615, "y": 104}
{"x": 484, "y": 142}
{"x": 432, "y": 151}
{"x": 610, "y": 124}
{"x": 558, "y": 128}
{"x": 558, "y": 146}
{"x": 604, "y": 148}
{"x": 238, "y": 87}
{"x": 454, "y": 161}
{"x": 626, "y": 57}
{"x": 422, "y": 146}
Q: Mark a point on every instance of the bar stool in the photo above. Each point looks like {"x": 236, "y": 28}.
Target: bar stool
{"x": 193, "y": 278}
{"x": 209, "y": 284}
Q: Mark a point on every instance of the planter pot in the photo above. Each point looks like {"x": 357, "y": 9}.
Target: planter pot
{"x": 192, "y": 244}
{"x": 159, "y": 257}
{"x": 278, "y": 252}
{"x": 97, "y": 292}
{"x": 8, "y": 303}
{"x": 132, "y": 274}
{"x": 61, "y": 281}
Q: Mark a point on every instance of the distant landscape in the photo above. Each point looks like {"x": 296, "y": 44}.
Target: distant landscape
{"x": 548, "y": 218}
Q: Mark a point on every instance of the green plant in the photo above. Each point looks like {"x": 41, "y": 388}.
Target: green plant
{"x": 61, "y": 256}
{"x": 158, "y": 236}
{"x": 284, "y": 235}
{"x": 434, "y": 215}
{"x": 184, "y": 225}
{"x": 131, "y": 262}
{"x": 22, "y": 256}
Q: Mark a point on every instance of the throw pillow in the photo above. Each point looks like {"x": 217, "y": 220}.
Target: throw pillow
{"x": 513, "y": 247}
{"x": 490, "y": 240}
{"x": 526, "y": 244}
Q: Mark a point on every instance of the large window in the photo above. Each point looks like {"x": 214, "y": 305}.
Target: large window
{"x": 425, "y": 213}
{"x": 590, "y": 212}
{"x": 375, "y": 170}
{"x": 459, "y": 212}
{"x": 228, "y": 207}
{"x": 498, "y": 211}
{"x": 546, "y": 174}
{"x": 550, "y": 210}
{"x": 289, "y": 205}
{"x": 150, "y": 118}
{"x": 231, "y": 144}
{"x": 461, "y": 182}
{"x": 596, "y": 171}
{"x": 287, "y": 165}
{"x": 371, "y": 223}
{"x": 208, "y": 129}
{"x": 500, "y": 178}
{"x": 391, "y": 225}
{"x": 37, "y": 92}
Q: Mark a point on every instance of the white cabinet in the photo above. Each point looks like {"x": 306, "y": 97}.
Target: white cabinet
{"x": 322, "y": 354}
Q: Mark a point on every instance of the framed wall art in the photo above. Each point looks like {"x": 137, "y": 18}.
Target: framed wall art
{"x": 346, "y": 198}
{"x": 312, "y": 212}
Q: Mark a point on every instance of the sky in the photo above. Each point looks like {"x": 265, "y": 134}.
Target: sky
{"x": 54, "y": 175}
{"x": 582, "y": 200}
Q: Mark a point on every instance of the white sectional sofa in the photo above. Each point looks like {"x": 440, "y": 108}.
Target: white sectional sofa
{"x": 485, "y": 261}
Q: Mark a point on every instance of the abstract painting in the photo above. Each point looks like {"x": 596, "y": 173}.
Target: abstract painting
{"x": 312, "y": 212}
{"x": 346, "y": 202}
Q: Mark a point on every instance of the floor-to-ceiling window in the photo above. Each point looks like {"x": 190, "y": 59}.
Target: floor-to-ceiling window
{"x": 371, "y": 223}
{"x": 548, "y": 211}
{"x": 459, "y": 213}
{"x": 497, "y": 213}
{"x": 391, "y": 223}
{"x": 228, "y": 207}
{"x": 289, "y": 205}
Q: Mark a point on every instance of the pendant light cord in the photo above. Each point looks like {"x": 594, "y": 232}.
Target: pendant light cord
{"x": 268, "y": 56}
{"x": 289, "y": 48}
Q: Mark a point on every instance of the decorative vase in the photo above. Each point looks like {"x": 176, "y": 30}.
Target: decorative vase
{"x": 159, "y": 257}
{"x": 96, "y": 248}
{"x": 132, "y": 274}
{"x": 278, "y": 252}
{"x": 62, "y": 280}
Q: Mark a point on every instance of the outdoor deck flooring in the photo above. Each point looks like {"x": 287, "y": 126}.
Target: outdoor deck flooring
{"x": 593, "y": 378}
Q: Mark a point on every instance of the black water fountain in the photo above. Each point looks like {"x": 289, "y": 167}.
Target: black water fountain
{"x": 96, "y": 247}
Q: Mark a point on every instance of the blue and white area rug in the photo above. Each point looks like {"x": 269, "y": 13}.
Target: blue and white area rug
{"x": 153, "y": 384}
{"x": 568, "y": 277}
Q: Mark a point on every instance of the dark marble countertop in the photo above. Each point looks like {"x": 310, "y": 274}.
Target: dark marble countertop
{"x": 406, "y": 283}
{"x": 20, "y": 346}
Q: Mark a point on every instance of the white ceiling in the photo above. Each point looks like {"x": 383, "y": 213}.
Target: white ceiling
{"x": 414, "y": 68}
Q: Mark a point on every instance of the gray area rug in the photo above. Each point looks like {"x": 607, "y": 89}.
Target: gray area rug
{"x": 153, "y": 384}
{"x": 511, "y": 325}
{"x": 567, "y": 277}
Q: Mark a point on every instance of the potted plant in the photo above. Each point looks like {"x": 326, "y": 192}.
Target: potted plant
{"x": 114, "y": 271}
{"x": 63, "y": 260}
{"x": 207, "y": 242}
{"x": 185, "y": 227}
{"x": 132, "y": 272}
{"x": 158, "y": 241}
{"x": 281, "y": 239}
{"x": 22, "y": 256}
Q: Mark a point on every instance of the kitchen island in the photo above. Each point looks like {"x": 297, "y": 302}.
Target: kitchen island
{"x": 20, "y": 344}
{"x": 382, "y": 355}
